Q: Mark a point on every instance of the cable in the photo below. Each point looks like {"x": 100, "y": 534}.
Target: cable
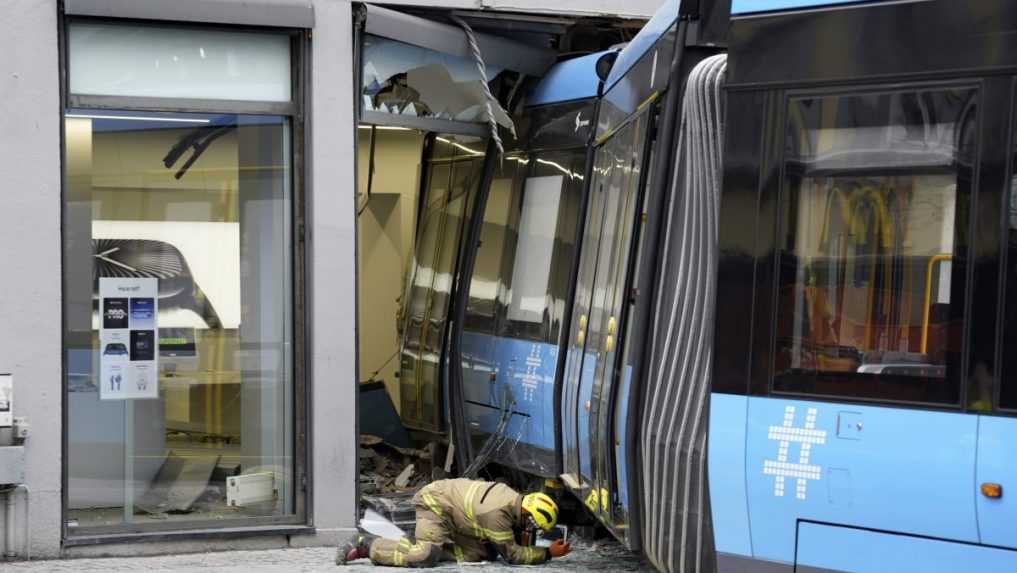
{"x": 382, "y": 367}
{"x": 370, "y": 172}
{"x": 482, "y": 69}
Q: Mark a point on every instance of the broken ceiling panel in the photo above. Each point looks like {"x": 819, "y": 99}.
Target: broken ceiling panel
{"x": 403, "y": 79}
{"x": 434, "y": 87}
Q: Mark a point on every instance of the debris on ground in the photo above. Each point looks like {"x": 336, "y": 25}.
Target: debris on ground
{"x": 404, "y": 478}
{"x": 385, "y": 468}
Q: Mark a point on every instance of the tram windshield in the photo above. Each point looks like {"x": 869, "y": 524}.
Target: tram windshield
{"x": 872, "y": 188}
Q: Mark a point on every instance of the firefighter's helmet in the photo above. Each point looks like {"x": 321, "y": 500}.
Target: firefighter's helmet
{"x": 542, "y": 509}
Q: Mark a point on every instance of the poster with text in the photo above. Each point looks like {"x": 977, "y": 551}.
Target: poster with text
{"x": 128, "y": 338}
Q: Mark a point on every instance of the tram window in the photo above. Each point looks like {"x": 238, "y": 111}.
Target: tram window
{"x": 868, "y": 210}
{"x": 487, "y": 292}
{"x": 537, "y": 266}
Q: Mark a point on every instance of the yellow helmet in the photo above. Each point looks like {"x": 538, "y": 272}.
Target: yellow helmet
{"x": 542, "y": 509}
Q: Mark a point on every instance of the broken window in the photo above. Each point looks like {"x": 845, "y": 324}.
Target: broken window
{"x": 403, "y": 79}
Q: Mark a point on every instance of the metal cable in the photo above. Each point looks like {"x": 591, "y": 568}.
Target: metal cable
{"x": 489, "y": 99}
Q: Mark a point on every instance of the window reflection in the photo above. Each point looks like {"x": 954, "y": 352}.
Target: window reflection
{"x": 873, "y": 184}
{"x": 452, "y": 174}
{"x": 200, "y": 205}
{"x": 1008, "y": 381}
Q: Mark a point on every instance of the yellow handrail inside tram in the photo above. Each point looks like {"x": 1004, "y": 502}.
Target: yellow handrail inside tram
{"x": 928, "y": 296}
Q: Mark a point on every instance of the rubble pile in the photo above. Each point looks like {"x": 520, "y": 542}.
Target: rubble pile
{"x": 387, "y": 469}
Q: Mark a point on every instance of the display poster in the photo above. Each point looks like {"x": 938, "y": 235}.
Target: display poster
{"x": 128, "y": 338}
{"x": 6, "y": 400}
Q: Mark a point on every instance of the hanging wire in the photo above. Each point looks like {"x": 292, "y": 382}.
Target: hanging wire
{"x": 489, "y": 99}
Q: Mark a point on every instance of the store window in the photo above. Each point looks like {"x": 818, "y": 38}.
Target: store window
{"x": 179, "y": 289}
{"x": 873, "y": 211}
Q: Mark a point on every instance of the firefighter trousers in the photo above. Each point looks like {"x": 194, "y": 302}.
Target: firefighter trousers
{"x": 433, "y": 543}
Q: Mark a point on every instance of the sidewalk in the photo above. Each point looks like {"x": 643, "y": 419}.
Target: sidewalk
{"x": 604, "y": 555}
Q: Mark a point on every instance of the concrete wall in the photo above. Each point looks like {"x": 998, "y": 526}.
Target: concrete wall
{"x": 386, "y": 227}
{"x": 30, "y": 309}
{"x": 332, "y": 273}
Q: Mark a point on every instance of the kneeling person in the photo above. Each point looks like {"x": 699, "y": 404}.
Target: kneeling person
{"x": 465, "y": 520}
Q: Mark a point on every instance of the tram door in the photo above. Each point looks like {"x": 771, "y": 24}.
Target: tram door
{"x": 452, "y": 174}
{"x": 593, "y": 365}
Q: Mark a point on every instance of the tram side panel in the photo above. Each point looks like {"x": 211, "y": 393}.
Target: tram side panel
{"x": 515, "y": 316}
{"x": 849, "y": 214}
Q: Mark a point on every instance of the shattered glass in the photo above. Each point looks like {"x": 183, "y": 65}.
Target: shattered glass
{"x": 401, "y": 79}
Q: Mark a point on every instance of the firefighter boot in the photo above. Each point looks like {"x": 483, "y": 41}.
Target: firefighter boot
{"x": 358, "y": 548}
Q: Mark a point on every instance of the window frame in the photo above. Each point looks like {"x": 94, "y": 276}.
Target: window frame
{"x": 776, "y": 161}
{"x": 302, "y": 519}
{"x": 1010, "y": 170}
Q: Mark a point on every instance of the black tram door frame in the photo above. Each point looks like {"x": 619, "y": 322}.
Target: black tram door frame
{"x": 628, "y": 180}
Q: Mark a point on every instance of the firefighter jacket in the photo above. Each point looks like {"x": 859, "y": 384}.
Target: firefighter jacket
{"x": 484, "y": 511}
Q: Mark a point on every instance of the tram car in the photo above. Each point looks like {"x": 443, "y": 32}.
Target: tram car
{"x": 862, "y": 410}
{"x": 767, "y": 243}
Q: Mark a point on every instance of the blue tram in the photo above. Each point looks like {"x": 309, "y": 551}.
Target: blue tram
{"x": 785, "y": 269}
{"x": 862, "y": 413}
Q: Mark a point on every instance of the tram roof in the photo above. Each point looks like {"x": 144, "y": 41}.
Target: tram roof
{"x": 570, "y": 80}
{"x": 644, "y": 41}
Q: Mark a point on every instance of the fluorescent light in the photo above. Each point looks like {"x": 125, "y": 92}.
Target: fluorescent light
{"x": 138, "y": 118}
{"x": 460, "y": 146}
{"x": 385, "y": 128}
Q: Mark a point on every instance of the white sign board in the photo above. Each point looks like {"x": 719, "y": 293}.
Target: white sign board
{"x": 6, "y": 400}
{"x": 128, "y": 338}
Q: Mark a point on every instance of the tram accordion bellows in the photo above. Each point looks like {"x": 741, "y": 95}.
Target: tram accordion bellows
{"x": 677, "y": 532}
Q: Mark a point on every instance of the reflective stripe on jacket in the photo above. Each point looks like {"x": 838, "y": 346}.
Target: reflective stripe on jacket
{"x": 485, "y": 511}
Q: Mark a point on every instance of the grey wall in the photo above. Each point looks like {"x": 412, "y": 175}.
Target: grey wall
{"x": 30, "y": 310}
{"x": 332, "y": 267}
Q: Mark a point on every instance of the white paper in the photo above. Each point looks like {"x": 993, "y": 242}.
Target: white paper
{"x": 375, "y": 524}
{"x": 128, "y": 338}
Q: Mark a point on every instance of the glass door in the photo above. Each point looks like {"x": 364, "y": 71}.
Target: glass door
{"x": 597, "y": 318}
{"x": 452, "y": 177}
{"x": 575, "y": 419}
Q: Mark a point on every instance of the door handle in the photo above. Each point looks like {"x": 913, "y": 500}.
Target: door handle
{"x": 612, "y": 326}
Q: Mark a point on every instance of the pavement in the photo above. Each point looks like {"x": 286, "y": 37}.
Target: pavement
{"x": 602, "y": 555}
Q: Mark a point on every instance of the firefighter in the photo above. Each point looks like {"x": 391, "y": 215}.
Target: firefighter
{"x": 467, "y": 521}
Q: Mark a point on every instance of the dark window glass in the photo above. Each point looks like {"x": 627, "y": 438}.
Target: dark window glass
{"x": 452, "y": 175}
{"x": 874, "y": 188}
{"x": 1008, "y": 380}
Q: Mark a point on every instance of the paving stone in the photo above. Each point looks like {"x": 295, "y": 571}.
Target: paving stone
{"x": 604, "y": 555}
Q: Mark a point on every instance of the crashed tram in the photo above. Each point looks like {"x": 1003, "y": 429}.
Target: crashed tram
{"x": 712, "y": 251}
{"x": 527, "y": 325}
